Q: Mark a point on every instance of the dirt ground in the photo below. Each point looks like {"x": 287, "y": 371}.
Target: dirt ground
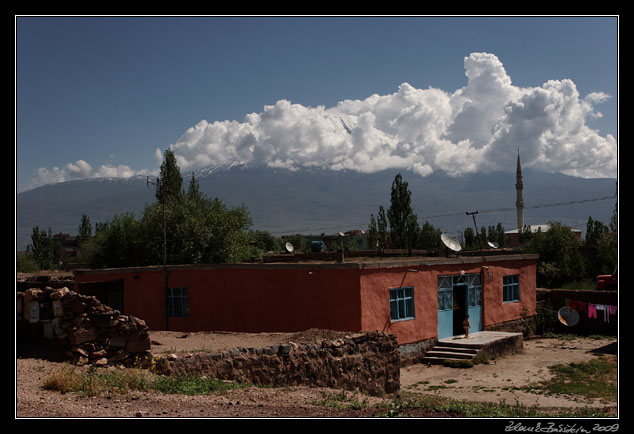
{"x": 493, "y": 382}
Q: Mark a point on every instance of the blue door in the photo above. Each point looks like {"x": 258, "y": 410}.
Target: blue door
{"x": 475, "y": 302}
{"x": 445, "y": 307}
{"x": 451, "y": 310}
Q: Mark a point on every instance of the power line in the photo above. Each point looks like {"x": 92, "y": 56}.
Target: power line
{"x": 461, "y": 213}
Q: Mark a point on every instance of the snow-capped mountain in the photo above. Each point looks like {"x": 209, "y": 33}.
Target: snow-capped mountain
{"x": 314, "y": 201}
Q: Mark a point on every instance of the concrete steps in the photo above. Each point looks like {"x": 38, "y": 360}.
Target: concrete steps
{"x": 457, "y": 348}
{"x": 442, "y": 352}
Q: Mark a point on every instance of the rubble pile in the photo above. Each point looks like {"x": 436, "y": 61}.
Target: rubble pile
{"x": 90, "y": 331}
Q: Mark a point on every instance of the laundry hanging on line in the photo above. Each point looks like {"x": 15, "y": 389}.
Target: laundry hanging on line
{"x": 592, "y": 309}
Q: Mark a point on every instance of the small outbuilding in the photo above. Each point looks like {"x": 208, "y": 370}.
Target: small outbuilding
{"x": 416, "y": 299}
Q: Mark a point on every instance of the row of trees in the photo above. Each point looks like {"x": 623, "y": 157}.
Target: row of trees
{"x": 182, "y": 226}
{"x": 44, "y": 252}
{"x": 398, "y": 228}
{"x": 563, "y": 258}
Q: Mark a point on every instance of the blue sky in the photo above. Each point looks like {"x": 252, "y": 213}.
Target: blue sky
{"x": 100, "y": 95}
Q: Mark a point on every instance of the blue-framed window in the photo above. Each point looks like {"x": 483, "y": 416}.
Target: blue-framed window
{"x": 475, "y": 290}
{"x": 177, "y": 302}
{"x": 445, "y": 293}
{"x": 402, "y": 303}
{"x": 511, "y": 288}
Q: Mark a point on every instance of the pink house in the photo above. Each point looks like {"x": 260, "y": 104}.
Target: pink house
{"x": 413, "y": 298}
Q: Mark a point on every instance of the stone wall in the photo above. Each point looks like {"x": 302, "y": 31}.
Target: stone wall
{"x": 368, "y": 362}
{"x": 89, "y": 331}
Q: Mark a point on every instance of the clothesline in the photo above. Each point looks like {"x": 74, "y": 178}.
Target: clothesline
{"x": 591, "y": 309}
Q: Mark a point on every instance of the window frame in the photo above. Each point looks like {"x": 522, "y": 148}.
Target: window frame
{"x": 404, "y": 301}
{"x": 177, "y": 305}
{"x": 511, "y": 288}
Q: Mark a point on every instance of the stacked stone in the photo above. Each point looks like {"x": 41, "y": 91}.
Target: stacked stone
{"x": 368, "y": 362}
{"x": 92, "y": 332}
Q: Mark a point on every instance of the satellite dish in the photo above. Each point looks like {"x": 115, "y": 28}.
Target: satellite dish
{"x": 289, "y": 248}
{"x": 451, "y": 242}
{"x": 568, "y": 316}
{"x": 493, "y": 245}
{"x": 341, "y": 234}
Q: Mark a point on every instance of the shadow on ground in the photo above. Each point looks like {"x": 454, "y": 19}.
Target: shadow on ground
{"x": 611, "y": 348}
{"x": 44, "y": 349}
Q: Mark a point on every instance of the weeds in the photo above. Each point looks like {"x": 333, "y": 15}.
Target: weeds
{"x": 95, "y": 382}
{"x": 341, "y": 401}
{"x": 447, "y": 407}
{"x": 586, "y": 380}
{"x": 593, "y": 379}
{"x": 193, "y": 385}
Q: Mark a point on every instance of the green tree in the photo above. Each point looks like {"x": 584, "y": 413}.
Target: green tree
{"x": 170, "y": 181}
{"x": 496, "y": 235}
{"x": 373, "y": 233}
{"x": 559, "y": 258}
{"x": 44, "y": 250}
{"x": 193, "y": 191}
{"x": 594, "y": 231}
{"x": 196, "y": 229}
{"x": 470, "y": 240}
{"x": 85, "y": 229}
{"x": 25, "y": 263}
{"x": 120, "y": 243}
{"x": 265, "y": 241}
{"x": 382, "y": 229}
{"x": 607, "y": 252}
{"x": 430, "y": 237}
{"x": 400, "y": 215}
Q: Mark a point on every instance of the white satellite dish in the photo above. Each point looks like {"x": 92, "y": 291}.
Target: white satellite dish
{"x": 493, "y": 245}
{"x": 568, "y": 316}
{"x": 289, "y": 248}
{"x": 451, "y": 242}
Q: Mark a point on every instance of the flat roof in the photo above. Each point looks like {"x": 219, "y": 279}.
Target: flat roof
{"x": 360, "y": 263}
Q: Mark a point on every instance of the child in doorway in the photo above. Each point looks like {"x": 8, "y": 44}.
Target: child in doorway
{"x": 466, "y": 324}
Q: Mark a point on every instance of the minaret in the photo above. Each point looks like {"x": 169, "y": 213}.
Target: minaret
{"x": 518, "y": 188}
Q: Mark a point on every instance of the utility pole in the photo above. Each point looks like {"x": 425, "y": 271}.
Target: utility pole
{"x": 473, "y": 214}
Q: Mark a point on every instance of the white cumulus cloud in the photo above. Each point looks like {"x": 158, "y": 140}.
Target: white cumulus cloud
{"x": 478, "y": 127}
{"x": 82, "y": 170}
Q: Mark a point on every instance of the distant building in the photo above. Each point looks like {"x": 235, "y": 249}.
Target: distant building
{"x": 514, "y": 235}
{"x": 69, "y": 243}
{"x": 354, "y": 239}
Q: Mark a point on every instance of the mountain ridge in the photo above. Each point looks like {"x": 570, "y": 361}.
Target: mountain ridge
{"x": 315, "y": 200}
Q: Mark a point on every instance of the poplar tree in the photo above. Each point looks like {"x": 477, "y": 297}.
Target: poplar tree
{"x": 170, "y": 181}
{"x": 85, "y": 229}
{"x": 400, "y": 215}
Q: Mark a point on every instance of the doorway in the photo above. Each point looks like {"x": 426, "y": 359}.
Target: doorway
{"x": 459, "y": 307}
{"x": 459, "y": 295}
